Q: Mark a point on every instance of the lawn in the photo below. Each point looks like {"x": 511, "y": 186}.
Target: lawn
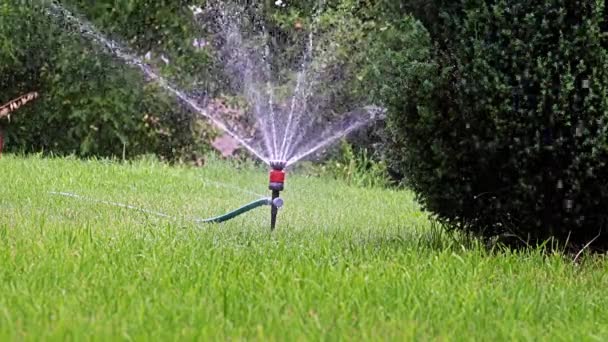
{"x": 345, "y": 263}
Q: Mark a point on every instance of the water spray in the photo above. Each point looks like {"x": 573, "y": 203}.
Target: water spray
{"x": 287, "y": 136}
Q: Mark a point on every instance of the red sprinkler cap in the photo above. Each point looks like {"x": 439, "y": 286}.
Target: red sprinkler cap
{"x": 277, "y": 176}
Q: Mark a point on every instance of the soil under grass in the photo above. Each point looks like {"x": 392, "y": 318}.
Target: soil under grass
{"x": 345, "y": 263}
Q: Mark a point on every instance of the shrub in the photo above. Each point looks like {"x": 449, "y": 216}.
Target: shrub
{"x": 508, "y": 134}
{"x": 402, "y": 74}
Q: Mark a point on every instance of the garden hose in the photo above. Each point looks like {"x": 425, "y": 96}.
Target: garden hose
{"x": 276, "y": 185}
{"x": 237, "y": 212}
{"x": 218, "y": 219}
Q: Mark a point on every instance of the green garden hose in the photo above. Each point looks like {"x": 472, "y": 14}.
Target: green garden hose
{"x": 276, "y": 184}
{"x": 237, "y": 212}
{"x": 218, "y": 219}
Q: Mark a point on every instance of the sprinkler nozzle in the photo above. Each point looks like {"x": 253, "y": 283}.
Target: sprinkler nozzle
{"x": 277, "y": 180}
{"x": 278, "y": 165}
{"x": 276, "y": 185}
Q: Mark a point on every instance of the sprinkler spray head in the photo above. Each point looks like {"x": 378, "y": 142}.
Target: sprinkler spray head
{"x": 278, "y": 165}
{"x": 276, "y": 185}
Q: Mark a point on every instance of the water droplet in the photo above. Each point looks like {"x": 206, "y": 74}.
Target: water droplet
{"x": 196, "y": 10}
{"x": 164, "y": 59}
{"x": 199, "y": 43}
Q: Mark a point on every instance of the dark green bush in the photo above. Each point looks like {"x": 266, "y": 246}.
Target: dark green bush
{"x": 402, "y": 75}
{"x": 508, "y": 132}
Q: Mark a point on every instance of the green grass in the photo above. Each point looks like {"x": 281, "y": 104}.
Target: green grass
{"x": 345, "y": 263}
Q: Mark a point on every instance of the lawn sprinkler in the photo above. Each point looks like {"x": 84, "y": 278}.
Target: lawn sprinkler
{"x": 276, "y": 185}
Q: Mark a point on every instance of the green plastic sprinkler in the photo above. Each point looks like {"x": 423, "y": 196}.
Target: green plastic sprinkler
{"x": 276, "y": 185}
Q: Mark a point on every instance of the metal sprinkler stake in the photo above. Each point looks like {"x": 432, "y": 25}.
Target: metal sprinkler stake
{"x": 277, "y": 182}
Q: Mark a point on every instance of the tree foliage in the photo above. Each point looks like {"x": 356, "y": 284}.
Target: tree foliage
{"x": 92, "y": 104}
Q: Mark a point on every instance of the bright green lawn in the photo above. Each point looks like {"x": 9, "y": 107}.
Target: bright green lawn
{"x": 345, "y": 263}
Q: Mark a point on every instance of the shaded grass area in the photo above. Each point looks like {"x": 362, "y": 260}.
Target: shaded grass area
{"x": 345, "y": 263}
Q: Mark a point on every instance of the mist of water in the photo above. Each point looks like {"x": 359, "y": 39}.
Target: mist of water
{"x": 287, "y": 128}
{"x": 89, "y": 31}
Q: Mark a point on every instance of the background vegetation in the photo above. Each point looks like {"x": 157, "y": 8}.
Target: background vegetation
{"x": 110, "y": 109}
{"x": 497, "y": 110}
{"x": 90, "y": 105}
